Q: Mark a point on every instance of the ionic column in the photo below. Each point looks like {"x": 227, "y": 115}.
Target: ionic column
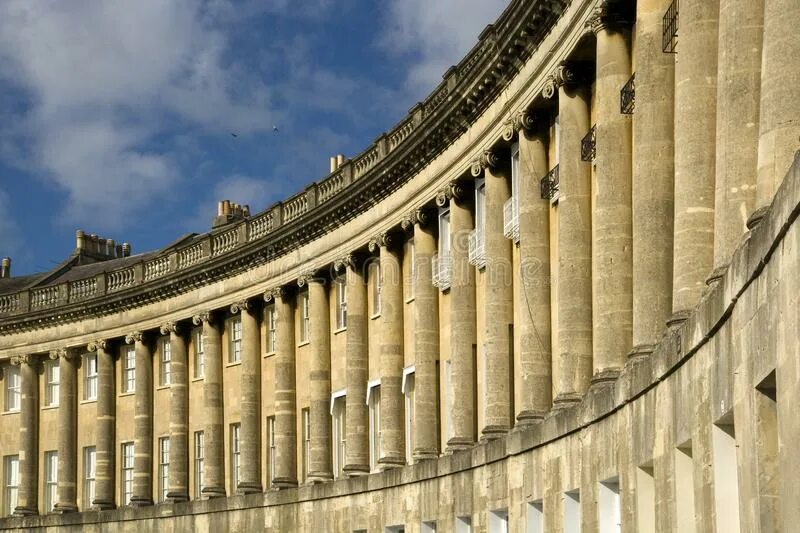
{"x": 653, "y": 207}
{"x": 356, "y": 460}
{"x": 779, "y": 123}
{"x": 612, "y": 260}
{"x": 741, "y": 23}
{"x": 28, "y": 494}
{"x": 498, "y": 300}
{"x": 213, "y": 432}
{"x": 285, "y": 475}
{"x": 142, "y": 421}
{"x": 535, "y": 382}
{"x": 67, "y": 430}
{"x": 695, "y": 137}
{"x": 178, "y": 414}
{"x": 319, "y": 380}
{"x": 426, "y": 340}
{"x": 463, "y": 325}
{"x": 250, "y": 403}
{"x": 572, "y": 366}
{"x": 106, "y": 427}
{"x": 390, "y": 349}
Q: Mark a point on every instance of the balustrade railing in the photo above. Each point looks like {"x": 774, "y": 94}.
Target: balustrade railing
{"x": 9, "y": 303}
{"x": 224, "y": 242}
{"x": 120, "y": 279}
{"x": 44, "y": 297}
{"x": 82, "y": 289}
{"x": 156, "y": 268}
{"x": 190, "y": 256}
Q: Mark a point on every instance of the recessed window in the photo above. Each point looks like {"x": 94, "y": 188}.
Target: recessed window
{"x": 271, "y": 320}
{"x": 271, "y": 449}
{"x": 341, "y": 303}
{"x": 408, "y": 393}
{"x": 50, "y": 481}
{"x": 306, "y": 415}
{"x": 199, "y": 354}
{"x": 51, "y": 382}
{"x": 535, "y": 517}
{"x": 11, "y": 483}
{"x": 609, "y": 504}
{"x": 89, "y": 475}
{"x": 90, "y": 377}
{"x": 163, "y": 468}
{"x": 128, "y": 369}
{"x": 374, "y": 425}
{"x": 448, "y": 380}
{"x": 498, "y": 521}
{"x": 165, "y": 373}
{"x": 375, "y": 276}
{"x": 235, "y": 342}
{"x": 444, "y": 233}
{"x": 199, "y": 459}
{"x": 235, "y": 457}
{"x": 126, "y": 467}
{"x": 13, "y": 381}
{"x": 305, "y": 317}
{"x": 480, "y": 205}
{"x": 463, "y": 524}
{"x": 412, "y": 267}
{"x": 339, "y": 435}
{"x": 572, "y": 511}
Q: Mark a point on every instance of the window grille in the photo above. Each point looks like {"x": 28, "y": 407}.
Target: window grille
{"x": 627, "y": 96}
{"x": 549, "y": 185}
{"x": 589, "y": 145}
{"x": 669, "y": 40}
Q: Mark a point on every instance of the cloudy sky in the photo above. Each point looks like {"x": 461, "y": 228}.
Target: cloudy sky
{"x": 116, "y": 116}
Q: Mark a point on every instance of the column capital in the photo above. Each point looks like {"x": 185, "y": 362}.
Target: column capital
{"x": 23, "y": 359}
{"x": 605, "y": 16}
{"x": 136, "y": 336}
{"x": 455, "y": 190}
{"x": 488, "y": 158}
{"x": 387, "y": 239}
{"x": 242, "y": 305}
{"x": 564, "y": 74}
{"x": 66, "y": 353}
{"x": 272, "y": 295}
{"x": 341, "y": 264}
{"x": 97, "y": 345}
{"x": 171, "y": 327}
{"x": 309, "y": 277}
{"x": 422, "y": 216}
{"x": 521, "y": 120}
{"x": 203, "y": 317}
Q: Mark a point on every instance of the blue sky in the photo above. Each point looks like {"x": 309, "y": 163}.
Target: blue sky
{"x": 116, "y": 116}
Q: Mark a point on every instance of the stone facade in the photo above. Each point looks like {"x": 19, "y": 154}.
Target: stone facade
{"x": 525, "y": 308}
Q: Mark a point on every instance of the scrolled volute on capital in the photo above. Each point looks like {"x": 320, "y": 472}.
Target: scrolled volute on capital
{"x": 66, "y": 353}
{"x": 272, "y": 295}
{"x": 383, "y": 240}
{"x": 455, "y": 190}
{"x": 563, "y": 75}
{"x": 307, "y": 278}
{"x": 342, "y": 263}
{"x": 200, "y": 318}
{"x": 243, "y": 305}
{"x": 488, "y": 159}
{"x": 97, "y": 345}
{"x": 136, "y": 336}
{"x": 22, "y": 359}
{"x": 522, "y": 120}
{"x": 170, "y": 327}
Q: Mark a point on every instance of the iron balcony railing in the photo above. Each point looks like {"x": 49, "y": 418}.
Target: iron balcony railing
{"x": 669, "y": 29}
{"x": 627, "y": 96}
{"x": 589, "y": 146}
{"x": 511, "y": 219}
{"x": 549, "y": 185}
{"x": 477, "y": 248}
{"x": 442, "y": 271}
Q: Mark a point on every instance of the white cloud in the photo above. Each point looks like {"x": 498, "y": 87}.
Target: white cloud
{"x": 437, "y": 34}
{"x": 243, "y": 190}
{"x": 9, "y": 240}
{"x": 104, "y": 80}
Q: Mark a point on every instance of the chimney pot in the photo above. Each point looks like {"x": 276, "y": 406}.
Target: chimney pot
{"x": 226, "y": 207}
{"x": 5, "y": 268}
{"x": 126, "y": 249}
{"x": 339, "y": 160}
{"x": 111, "y": 247}
{"x": 333, "y": 163}
{"x": 119, "y": 250}
{"x": 80, "y": 240}
{"x": 219, "y": 209}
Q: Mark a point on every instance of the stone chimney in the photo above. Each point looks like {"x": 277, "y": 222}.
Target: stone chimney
{"x": 228, "y": 212}
{"x": 5, "y": 268}
{"x": 336, "y": 162}
{"x": 97, "y": 247}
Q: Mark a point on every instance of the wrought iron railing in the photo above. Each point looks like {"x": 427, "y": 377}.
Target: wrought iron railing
{"x": 549, "y": 185}
{"x": 477, "y": 248}
{"x": 627, "y": 96}
{"x": 669, "y": 29}
{"x": 511, "y": 219}
{"x": 442, "y": 271}
{"x": 589, "y": 146}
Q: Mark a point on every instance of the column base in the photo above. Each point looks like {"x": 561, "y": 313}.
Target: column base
{"x": 318, "y": 477}
{"x": 391, "y": 461}
{"x": 641, "y": 350}
{"x": 355, "y": 470}
{"x": 604, "y": 377}
{"x": 249, "y": 487}
{"x": 284, "y": 483}
{"x": 421, "y": 454}
{"x": 494, "y": 432}
{"x": 678, "y": 318}
{"x": 102, "y": 505}
{"x": 458, "y": 444}
{"x": 565, "y": 400}
{"x": 529, "y": 417}
{"x": 25, "y": 511}
{"x": 140, "y": 501}
{"x": 756, "y": 217}
{"x": 716, "y": 275}
{"x": 65, "y": 508}
{"x": 177, "y": 496}
{"x": 213, "y": 492}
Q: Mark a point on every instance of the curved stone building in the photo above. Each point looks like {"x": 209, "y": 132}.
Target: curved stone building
{"x": 560, "y": 295}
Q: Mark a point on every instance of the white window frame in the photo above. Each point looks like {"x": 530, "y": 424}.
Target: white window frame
{"x": 374, "y": 403}
{"x": 305, "y": 317}
{"x": 13, "y": 385}
{"x": 444, "y": 244}
{"x": 126, "y": 472}
{"x": 407, "y": 388}
{"x": 448, "y": 380}
{"x": 90, "y": 377}
{"x": 199, "y": 354}
{"x": 480, "y": 206}
{"x": 52, "y": 382}
{"x": 50, "y": 481}
{"x": 377, "y": 289}
{"x": 412, "y": 267}
{"x": 10, "y": 483}
{"x": 306, "y": 435}
{"x": 515, "y": 174}
{"x": 235, "y": 340}
{"x": 128, "y": 369}
{"x": 271, "y": 321}
{"x": 199, "y": 460}
{"x": 271, "y": 449}
{"x": 341, "y": 303}
{"x": 338, "y": 417}
{"x": 236, "y": 456}
{"x": 163, "y": 468}
{"x": 89, "y": 475}
{"x": 535, "y": 516}
{"x": 165, "y": 362}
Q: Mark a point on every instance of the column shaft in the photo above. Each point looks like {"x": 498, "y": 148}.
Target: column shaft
{"x": 67, "y": 432}
{"x": 250, "y": 445}
{"x": 391, "y": 356}
{"x": 463, "y": 329}
{"x": 779, "y": 123}
{"x": 612, "y": 260}
{"x": 498, "y": 302}
{"x": 320, "y": 383}
{"x": 106, "y": 427}
{"x": 653, "y": 207}
{"x": 695, "y": 133}
{"x": 426, "y": 347}
{"x": 178, "y": 416}
{"x": 573, "y": 366}
{"x": 356, "y": 361}
{"x": 285, "y": 475}
{"x": 741, "y": 23}
{"x": 535, "y": 383}
{"x": 143, "y": 424}
{"x": 214, "y": 434}
{"x": 28, "y": 494}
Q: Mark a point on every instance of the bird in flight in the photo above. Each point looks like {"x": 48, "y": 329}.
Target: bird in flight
{"x": 275, "y": 128}
{"x": 234, "y": 135}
